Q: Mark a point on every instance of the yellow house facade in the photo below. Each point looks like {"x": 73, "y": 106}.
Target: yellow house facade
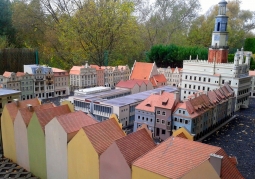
{"x": 139, "y": 173}
{"x": 87, "y": 145}
{"x": 7, "y": 125}
{"x": 184, "y": 133}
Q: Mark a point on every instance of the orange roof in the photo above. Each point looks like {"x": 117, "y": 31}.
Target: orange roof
{"x": 126, "y": 84}
{"x": 19, "y": 74}
{"x": 103, "y": 134}
{"x": 176, "y": 156}
{"x": 46, "y": 115}
{"x": 135, "y": 145}
{"x": 160, "y": 78}
{"x": 27, "y": 114}
{"x": 13, "y": 108}
{"x": 73, "y": 122}
{"x": 165, "y": 100}
{"x": 182, "y": 135}
{"x": 75, "y": 70}
{"x": 252, "y": 73}
{"x": 141, "y": 71}
{"x": 7, "y": 74}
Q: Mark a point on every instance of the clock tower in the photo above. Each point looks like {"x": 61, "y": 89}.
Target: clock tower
{"x": 218, "y": 52}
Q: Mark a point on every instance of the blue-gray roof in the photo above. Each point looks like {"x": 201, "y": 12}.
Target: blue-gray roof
{"x": 45, "y": 69}
{"x": 5, "y": 91}
{"x": 126, "y": 100}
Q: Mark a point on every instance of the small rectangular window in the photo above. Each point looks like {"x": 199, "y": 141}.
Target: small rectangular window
{"x": 180, "y": 120}
{"x": 163, "y": 121}
{"x": 186, "y": 121}
{"x": 179, "y": 111}
{"x": 158, "y": 112}
{"x": 163, "y": 113}
{"x": 163, "y": 131}
{"x": 157, "y": 120}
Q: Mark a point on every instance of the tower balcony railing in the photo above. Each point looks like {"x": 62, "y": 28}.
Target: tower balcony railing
{"x": 219, "y": 47}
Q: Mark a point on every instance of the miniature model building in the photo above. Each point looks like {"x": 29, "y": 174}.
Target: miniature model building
{"x": 210, "y": 74}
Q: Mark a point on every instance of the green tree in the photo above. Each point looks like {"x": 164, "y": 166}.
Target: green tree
{"x": 249, "y": 45}
{"x": 6, "y": 28}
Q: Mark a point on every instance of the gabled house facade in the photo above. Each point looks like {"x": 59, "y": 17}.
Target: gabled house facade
{"x": 117, "y": 159}
{"x": 87, "y": 146}
{"x": 36, "y": 138}
{"x": 59, "y": 131}
{"x": 7, "y": 125}
{"x": 156, "y": 112}
{"x": 21, "y": 122}
{"x": 26, "y": 85}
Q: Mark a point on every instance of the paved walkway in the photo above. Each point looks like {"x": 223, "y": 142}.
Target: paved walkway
{"x": 237, "y": 138}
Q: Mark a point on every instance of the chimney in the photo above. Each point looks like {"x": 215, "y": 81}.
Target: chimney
{"x": 161, "y": 92}
{"x": 216, "y": 162}
{"x": 16, "y": 101}
{"x": 176, "y": 96}
{"x": 30, "y": 107}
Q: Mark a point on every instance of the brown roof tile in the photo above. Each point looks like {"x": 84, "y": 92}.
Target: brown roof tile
{"x": 13, "y": 108}
{"x": 135, "y": 145}
{"x": 73, "y": 122}
{"x": 46, "y": 115}
{"x": 19, "y": 74}
{"x": 176, "y": 156}
{"x": 157, "y": 100}
{"x": 27, "y": 114}
{"x": 103, "y": 134}
{"x": 141, "y": 71}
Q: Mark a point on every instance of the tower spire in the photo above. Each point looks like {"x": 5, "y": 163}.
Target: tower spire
{"x": 219, "y": 45}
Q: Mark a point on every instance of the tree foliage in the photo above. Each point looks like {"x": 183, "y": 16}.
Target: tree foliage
{"x": 114, "y": 32}
{"x": 173, "y": 55}
{"x": 249, "y": 45}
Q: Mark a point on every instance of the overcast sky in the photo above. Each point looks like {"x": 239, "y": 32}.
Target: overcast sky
{"x": 245, "y": 5}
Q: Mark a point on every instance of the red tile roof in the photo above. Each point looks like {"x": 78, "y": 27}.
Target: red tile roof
{"x": 57, "y": 70}
{"x": 7, "y": 74}
{"x": 27, "y": 114}
{"x": 165, "y": 100}
{"x": 46, "y": 115}
{"x": 75, "y": 70}
{"x": 13, "y": 108}
{"x": 142, "y": 71}
{"x": 176, "y": 156}
{"x": 19, "y": 74}
{"x": 73, "y": 122}
{"x": 126, "y": 84}
{"x": 158, "y": 79}
{"x": 103, "y": 134}
{"x": 140, "y": 82}
{"x": 135, "y": 145}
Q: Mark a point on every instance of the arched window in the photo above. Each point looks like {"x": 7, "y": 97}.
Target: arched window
{"x": 218, "y": 26}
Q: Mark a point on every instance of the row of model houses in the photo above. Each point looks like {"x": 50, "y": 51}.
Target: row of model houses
{"x": 164, "y": 112}
{"x": 57, "y": 143}
{"x": 37, "y": 81}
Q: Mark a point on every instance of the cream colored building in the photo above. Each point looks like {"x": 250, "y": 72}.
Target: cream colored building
{"x": 83, "y": 77}
{"x": 113, "y": 75}
{"x": 173, "y": 75}
{"x": 7, "y": 96}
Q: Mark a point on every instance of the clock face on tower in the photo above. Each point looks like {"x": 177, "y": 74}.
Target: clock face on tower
{"x": 216, "y": 37}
